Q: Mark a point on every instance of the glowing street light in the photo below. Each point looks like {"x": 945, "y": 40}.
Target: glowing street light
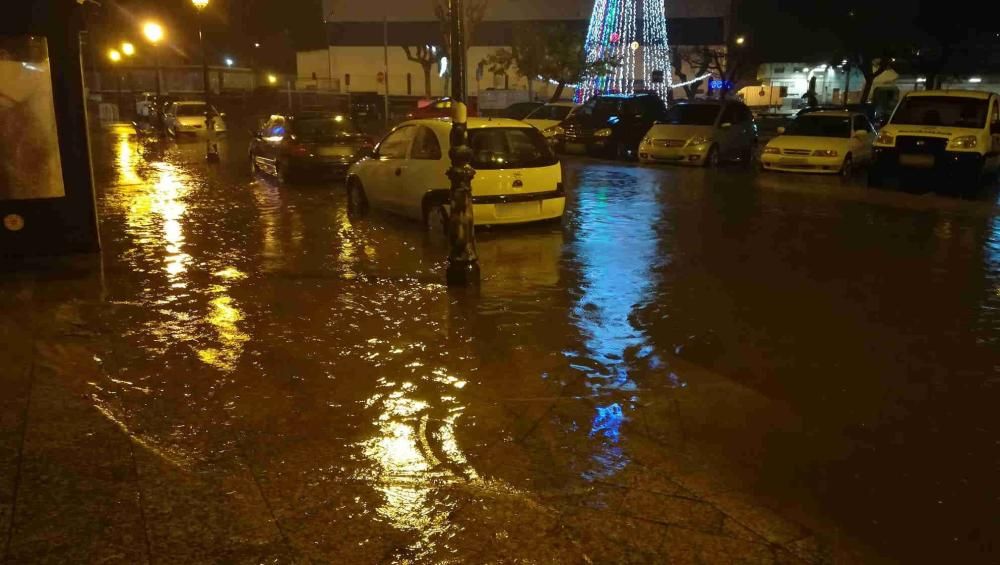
{"x": 200, "y": 4}
{"x": 230, "y": 62}
{"x": 128, "y": 49}
{"x": 272, "y": 79}
{"x": 114, "y": 56}
{"x": 741, "y": 40}
{"x": 153, "y": 32}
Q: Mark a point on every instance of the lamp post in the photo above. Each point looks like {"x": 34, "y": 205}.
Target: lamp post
{"x": 115, "y": 57}
{"x": 154, "y": 34}
{"x": 128, "y": 50}
{"x": 463, "y": 261}
{"x": 211, "y": 147}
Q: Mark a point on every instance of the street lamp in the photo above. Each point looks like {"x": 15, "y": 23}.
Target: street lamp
{"x": 741, "y": 40}
{"x": 230, "y": 62}
{"x": 128, "y": 49}
{"x": 272, "y": 79}
{"x": 463, "y": 261}
{"x": 211, "y": 148}
{"x": 154, "y": 34}
{"x": 115, "y": 57}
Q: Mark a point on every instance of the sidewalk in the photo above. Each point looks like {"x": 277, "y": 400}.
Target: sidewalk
{"x": 83, "y": 481}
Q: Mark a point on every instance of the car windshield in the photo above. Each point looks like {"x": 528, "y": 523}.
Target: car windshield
{"x": 190, "y": 109}
{"x": 812, "y": 125}
{"x": 509, "y": 148}
{"x": 950, "y": 111}
{"x": 556, "y": 113}
{"x": 607, "y": 106}
{"x": 693, "y": 114}
{"x": 322, "y": 128}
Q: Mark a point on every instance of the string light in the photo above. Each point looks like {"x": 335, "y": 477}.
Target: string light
{"x": 637, "y": 54}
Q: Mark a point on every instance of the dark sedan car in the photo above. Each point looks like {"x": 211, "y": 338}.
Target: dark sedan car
{"x": 307, "y": 146}
{"x": 613, "y": 125}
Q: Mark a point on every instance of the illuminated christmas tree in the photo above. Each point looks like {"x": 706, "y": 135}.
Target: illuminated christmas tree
{"x": 632, "y": 34}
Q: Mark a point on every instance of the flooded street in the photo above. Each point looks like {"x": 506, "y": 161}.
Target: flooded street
{"x": 694, "y": 366}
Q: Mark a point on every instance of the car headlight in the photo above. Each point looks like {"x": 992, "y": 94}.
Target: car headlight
{"x": 647, "y": 141}
{"x": 554, "y": 131}
{"x": 964, "y": 142}
{"x": 606, "y": 132}
{"x": 772, "y": 151}
{"x": 885, "y": 139}
{"x": 699, "y": 140}
{"x": 825, "y": 153}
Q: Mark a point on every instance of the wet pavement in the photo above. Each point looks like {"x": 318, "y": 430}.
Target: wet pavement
{"x": 693, "y": 367}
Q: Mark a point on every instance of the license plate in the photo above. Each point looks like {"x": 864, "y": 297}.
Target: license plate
{"x": 920, "y": 161}
{"x": 335, "y": 151}
{"x": 518, "y": 209}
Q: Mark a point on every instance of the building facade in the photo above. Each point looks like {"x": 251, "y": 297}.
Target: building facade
{"x": 364, "y": 36}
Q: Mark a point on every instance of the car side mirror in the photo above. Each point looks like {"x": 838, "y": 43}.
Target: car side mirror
{"x": 726, "y": 125}
{"x": 781, "y": 130}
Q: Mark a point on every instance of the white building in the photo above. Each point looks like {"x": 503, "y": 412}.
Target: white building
{"x": 359, "y": 31}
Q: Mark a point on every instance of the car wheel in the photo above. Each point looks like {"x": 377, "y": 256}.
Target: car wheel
{"x": 712, "y": 159}
{"x": 357, "y": 201}
{"x": 437, "y": 217}
{"x": 847, "y": 169}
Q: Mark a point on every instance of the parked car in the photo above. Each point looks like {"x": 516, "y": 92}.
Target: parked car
{"x": 549, "y": 119}
{"x": 307, "y": 145}
{"x": 188, "y": 118}
{"x": 518, "y": 177}
{"x": 821, "y": 142}
{"x": 952, "y": 131}
{"x": 701, "y": 133}
{"x": 613, "y": 125}
{"x": 520, "y": 110}
{"x": 869, "y": 110}
{"x": 437, "y": 108}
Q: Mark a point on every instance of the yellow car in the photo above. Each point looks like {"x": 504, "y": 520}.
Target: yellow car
{"x": 831, "y": 142}
{"x": 518, "y": 177}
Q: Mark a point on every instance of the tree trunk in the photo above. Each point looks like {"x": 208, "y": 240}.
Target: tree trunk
{"x": 867, "y": 90}
{"x": 427, "y": 80}
{"x": 558, "y": 93}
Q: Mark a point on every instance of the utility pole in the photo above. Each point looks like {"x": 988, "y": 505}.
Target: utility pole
{"x": 211, "y": 147}
{"x": 385, "y": 45}
{"x": 463, "y": 261}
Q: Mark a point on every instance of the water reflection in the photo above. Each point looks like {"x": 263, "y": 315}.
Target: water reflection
{"x": 616, "y": 249}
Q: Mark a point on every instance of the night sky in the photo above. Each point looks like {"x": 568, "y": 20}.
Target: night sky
{"x": 779, "y": 29}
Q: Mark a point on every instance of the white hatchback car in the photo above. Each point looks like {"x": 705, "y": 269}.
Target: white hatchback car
{"x": 518, "y": 177}
{"x": 188, "y": 118}
{"x": 832, "y": 142}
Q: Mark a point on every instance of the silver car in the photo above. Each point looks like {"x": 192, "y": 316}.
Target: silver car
{"x": 188, "y": 118}
{"x": 701, "y": 134}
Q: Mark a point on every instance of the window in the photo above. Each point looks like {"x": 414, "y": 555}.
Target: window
{"x": 322, "y": 127}
{"x": 509, "y": 148}
{"x": 948, "y": 111}
{"x": 426, "y": 145}
{"x": 730, "y": 115}
{"x": 861, "y": 123}
{"x": 396, "y": 144}
{"x": 812, "y": 125}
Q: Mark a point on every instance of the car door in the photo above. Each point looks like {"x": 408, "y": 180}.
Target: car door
{"x": 424, "y": 171}
{"x": 863, "y": 135}
{"x": 274, "y": 136}
{"x": 389, "y": 168}
{"x": 728, "y": 135}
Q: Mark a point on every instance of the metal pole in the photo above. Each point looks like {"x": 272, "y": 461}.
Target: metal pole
{"x": 463, "y": 261}
{"x": 385, "y": 45}
{"x": 211, "y": 148}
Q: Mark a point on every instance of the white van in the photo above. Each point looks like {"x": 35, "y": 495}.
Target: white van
{"x": 956, "y": 131}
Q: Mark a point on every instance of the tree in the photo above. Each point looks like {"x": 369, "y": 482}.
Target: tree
{"x": 696, "y": 58}
{"x": 551, "y": 52}
{"x": 475, "y": 11}
{"x": 425, "y": 56}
